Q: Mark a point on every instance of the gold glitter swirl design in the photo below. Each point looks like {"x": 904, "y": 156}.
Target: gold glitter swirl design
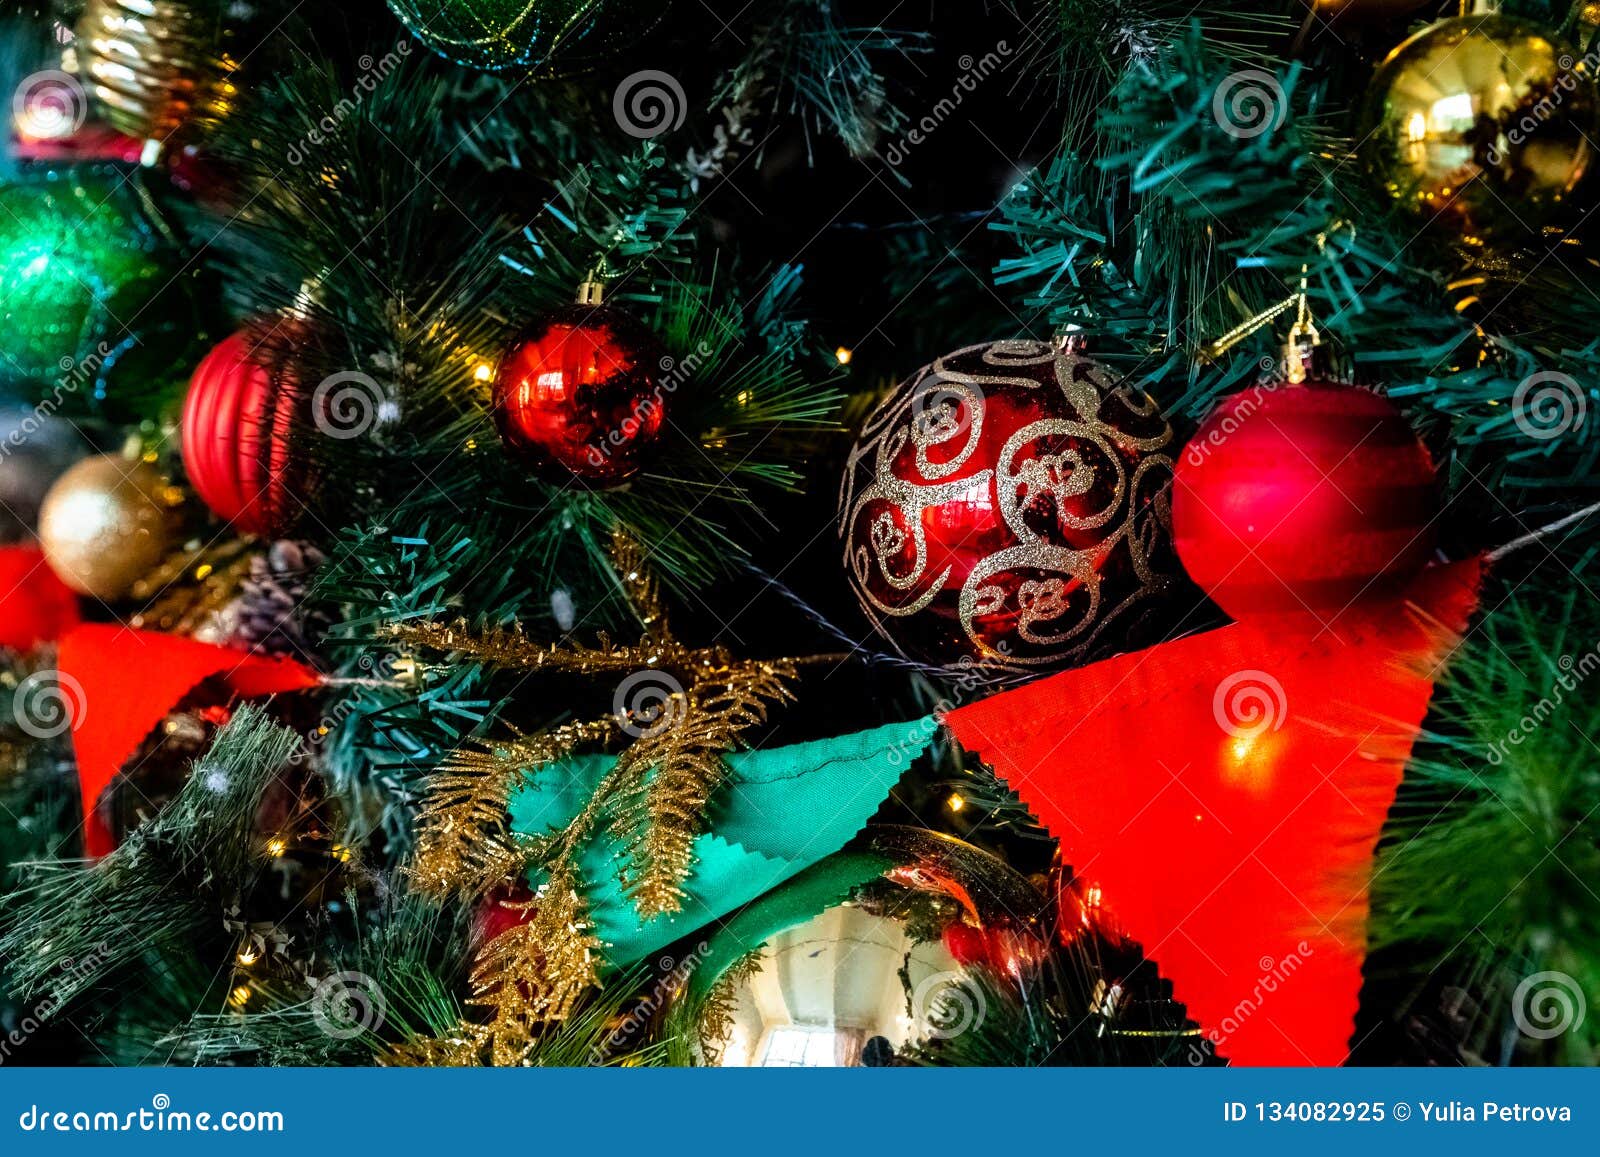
{"x": 1095, "y": 463}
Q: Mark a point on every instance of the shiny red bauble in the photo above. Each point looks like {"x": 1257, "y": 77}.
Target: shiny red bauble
{"x": 578, "y": 395}
{"x": 1303, "y": 498}
{"x": 1008, "y": 504}
{"x": 237, "y": 449}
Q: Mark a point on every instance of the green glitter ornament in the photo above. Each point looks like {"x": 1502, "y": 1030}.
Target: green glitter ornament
{"x": 544, "y": 37}
{"x": 77, "y": 266}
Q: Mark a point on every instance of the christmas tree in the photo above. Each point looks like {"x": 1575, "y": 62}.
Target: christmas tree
{"x": 579, "y": 532}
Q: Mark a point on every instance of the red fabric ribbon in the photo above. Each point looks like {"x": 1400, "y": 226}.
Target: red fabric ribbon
{"x": 127, "y": 680}
{"x": 1226, "y": 793}
{"x": 35, "y": 606}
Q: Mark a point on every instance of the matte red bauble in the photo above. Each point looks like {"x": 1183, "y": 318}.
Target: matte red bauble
{"x": 236, "y": 445}
{"x": 1008, "y": 503}
{"x": 577, "y": 395}
{"x": 1297, "y": 498}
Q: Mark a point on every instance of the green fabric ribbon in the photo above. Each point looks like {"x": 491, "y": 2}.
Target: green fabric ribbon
{"x": 781, "y": 811}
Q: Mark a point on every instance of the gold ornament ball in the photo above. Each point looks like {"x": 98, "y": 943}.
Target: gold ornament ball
{"x": 153, "y": 66}
{"x": 104, "y": 525}
{"x": 1484, "y": 118}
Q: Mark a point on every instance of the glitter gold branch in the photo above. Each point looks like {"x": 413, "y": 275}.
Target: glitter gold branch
{"x": 525, "y": 977}
{"x": 534, "y": 973}
{"x": 628, "y": 559}
{"x": 654, "y": 798}
{"x": 510, "y": 648}
{"x": 464, "y": 843}
{"x": 668, "y": 778}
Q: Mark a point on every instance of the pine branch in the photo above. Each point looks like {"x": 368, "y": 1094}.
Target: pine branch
{"x": 74, "y": 928}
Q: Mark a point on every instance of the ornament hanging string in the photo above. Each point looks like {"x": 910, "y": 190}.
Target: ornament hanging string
{"x": 1304, "y": 328}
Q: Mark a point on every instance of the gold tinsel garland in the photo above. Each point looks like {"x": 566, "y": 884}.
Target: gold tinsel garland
{"x": 655, "y": 798}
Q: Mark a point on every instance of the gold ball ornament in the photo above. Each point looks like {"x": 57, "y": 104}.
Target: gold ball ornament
{"x": 153, "y": 66}
{"x": 1485, "y": 118}
{"x": 105, "y": 524}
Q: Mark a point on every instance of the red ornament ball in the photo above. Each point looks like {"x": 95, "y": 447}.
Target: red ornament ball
{"x": 577, "y": 395}
{"x": 1008, "y": 504}
{"x": 1303, "y": 498}
{"x": 236, "y": 428}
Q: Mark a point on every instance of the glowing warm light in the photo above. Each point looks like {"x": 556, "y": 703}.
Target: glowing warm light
{"x": 1417, "y": 128}
{"x": 247, "y": 957}
{"x": 483, "y": 373}
{"x": 955, "y": 803}
{"x": 341, "y": 852}
{"x": 240, "y": 996}
{"x": 844, "y": 354}
{"x": 277, "y": 846}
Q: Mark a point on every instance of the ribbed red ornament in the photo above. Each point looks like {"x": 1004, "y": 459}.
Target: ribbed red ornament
{"x": 1294, "y": 498}
{"x": 236, "y": 446}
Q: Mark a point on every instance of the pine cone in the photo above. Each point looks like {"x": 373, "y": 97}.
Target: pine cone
{"x": 269, "y": 616}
